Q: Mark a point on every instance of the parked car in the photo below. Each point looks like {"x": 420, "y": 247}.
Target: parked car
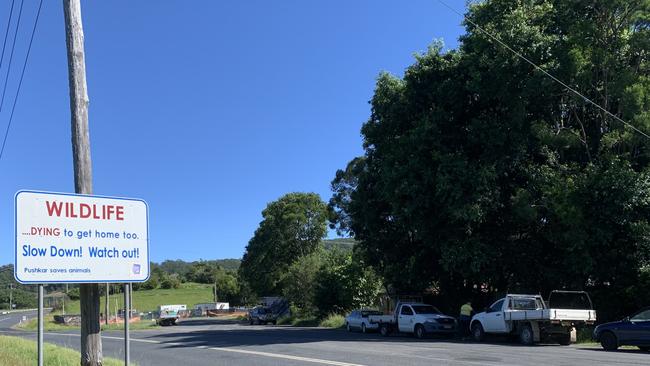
{"x": 261, "y": 315}
{"x": 632, "y": 331}
{"x": 530, "y": 318}
{"x": 167, "y": 317}
{"x": 358, "y": 319}
{"x": 415, "y": 318}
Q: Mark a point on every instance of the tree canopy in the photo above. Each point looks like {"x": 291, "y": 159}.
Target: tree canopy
{"x": 292, "y": 227}
{"x": 482, "y": 174}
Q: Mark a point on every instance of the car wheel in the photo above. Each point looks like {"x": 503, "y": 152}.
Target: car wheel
{"x": 526, "y": 336}
{"x": 347, "y": 326}
{"x": 383, "y": 330}
{"x": 477, "y": 332}
{"x": 644, "y": 348}
{"x": 419, "y": 331}
{"x": 363, "y": 327}
{"x": 608, "y": 341}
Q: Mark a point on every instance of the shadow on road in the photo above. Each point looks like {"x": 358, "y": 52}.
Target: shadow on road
{"x": 238, "y": 334}
{"x": 620, "y": 350}
{"x": 207, "y": 321}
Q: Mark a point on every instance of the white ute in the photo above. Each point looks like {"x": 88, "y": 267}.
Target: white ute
{"x": 529, "y": 317}
{"x": 415, "y": 318}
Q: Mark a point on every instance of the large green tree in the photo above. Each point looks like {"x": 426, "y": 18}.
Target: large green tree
{"x": 292, "y": 227}
{"x": 481, "y": 172}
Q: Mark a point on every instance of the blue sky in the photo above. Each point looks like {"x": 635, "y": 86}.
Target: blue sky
{"x": 208, "y": 110}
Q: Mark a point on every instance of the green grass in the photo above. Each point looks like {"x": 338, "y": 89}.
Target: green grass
{"x": 333, "y": 321}
{"x": 49, "y": 325}
{"x": 189, "y": 294}
{"x": 22, "y": 352}
{"x": 305, "y": 322}
{"x": 141, "y": 325}
{"x": 299, "y": 321}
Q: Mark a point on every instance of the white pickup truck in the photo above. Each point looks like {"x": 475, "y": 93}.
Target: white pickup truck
{"x": 532, "y": 320}
{"x": 415, "y": 318}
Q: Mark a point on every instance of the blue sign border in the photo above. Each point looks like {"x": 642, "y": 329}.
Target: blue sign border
{"x": 74, "y": 195}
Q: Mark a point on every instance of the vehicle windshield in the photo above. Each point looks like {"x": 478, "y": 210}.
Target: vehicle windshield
{"x": 425, "y": 309}
{"x": 642, "y": 316}
{"x": 261, "y": 311}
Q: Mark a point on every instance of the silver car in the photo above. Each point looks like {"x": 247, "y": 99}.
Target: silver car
{"x": 358, "y": 319}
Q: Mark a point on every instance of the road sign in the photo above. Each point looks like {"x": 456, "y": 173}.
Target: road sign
{"x": 80, "y": 239}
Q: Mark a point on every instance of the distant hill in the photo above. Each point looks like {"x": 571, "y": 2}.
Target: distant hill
{"x": 344, "y": 244}
{"x": 229, "y": 263}
{"x": 182, "y": 267}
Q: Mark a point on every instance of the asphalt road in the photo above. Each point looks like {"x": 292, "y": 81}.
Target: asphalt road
{"x": 213, "y": 342}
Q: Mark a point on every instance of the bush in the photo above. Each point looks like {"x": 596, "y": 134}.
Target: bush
{"x": 286, "y": 320}
{"x": 299, "y": 321}
{"x": 169, "y": 282}
{"x": 305, "y": 322}
{"x": 333, "y": 321}
{"x": 73, "y": 293}
{"x": 151, "y": 284}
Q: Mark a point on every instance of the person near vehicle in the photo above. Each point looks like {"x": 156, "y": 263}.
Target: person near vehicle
{"x": 465, "y": 316}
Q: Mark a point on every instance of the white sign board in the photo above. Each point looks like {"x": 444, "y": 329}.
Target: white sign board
{"x": 80, "y": 239}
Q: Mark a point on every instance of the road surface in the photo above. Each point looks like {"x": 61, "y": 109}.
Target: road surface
{"x": 213, "y": 342}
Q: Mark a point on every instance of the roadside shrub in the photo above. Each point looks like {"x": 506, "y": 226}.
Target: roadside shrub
{"x": 73, "y": 293}
{"x": 305, "y": 322}
{"x": 299, "y": 320}
{"x": 333, "y": 321}
{"x": 169, "y": 282}
{"x": 152, "y": 283}
{"x": 286, "y": 320}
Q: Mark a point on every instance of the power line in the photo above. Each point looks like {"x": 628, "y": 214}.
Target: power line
{"x": 585, "y": 98}
{"x": 22, "y": 74}
{"x": 11, "y": 55}
{"x": 4, "y": 44}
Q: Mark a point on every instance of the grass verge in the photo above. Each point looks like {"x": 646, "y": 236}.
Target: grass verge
{"x": 299, "y": 321}
{"x": 22, "y": 352}
{"x": 49, "y": 325}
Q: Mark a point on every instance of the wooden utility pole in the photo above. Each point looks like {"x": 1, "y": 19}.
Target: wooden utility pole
{"x": 91, "y": 342}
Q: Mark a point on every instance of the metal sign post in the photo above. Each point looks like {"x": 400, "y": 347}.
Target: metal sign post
{"x": 40, "y": 325}
{"x": 127, "y": 316}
